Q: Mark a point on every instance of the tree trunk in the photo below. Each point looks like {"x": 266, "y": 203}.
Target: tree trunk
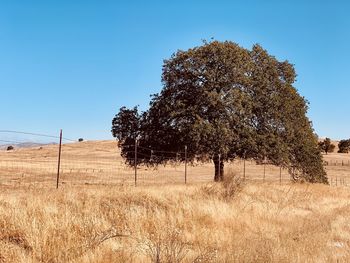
{"x": 219, "y": 168}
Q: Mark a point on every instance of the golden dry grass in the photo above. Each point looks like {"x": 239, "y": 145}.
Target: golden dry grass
{"x": 262, "y": 222}
{"x": 200, "y": 222}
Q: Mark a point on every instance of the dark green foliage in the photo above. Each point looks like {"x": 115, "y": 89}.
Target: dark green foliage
{"x": 344, "y": 146}
{"x": 10, "y": 148}
{"x": 326, "y": 146}
{"x": 126, "y": 127}
{"x": 224, "y": 102}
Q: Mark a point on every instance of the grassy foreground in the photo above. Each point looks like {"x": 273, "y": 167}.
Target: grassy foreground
{"x": 171, "y": 223}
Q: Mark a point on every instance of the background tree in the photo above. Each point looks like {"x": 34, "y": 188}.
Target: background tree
{"x": 344, "y": 146}
{"x": 224, "y": 102}
{"x": 126, "y": 127}
{"x": 10, "y": 148}
{"x": 326, "y": 146}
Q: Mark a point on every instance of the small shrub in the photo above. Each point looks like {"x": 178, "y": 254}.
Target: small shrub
{"x": 10, "y": 234}
{"x": 228, "y": 188}
{"x": 80, "y": 140}
{"x": 232, "y": 184}
{"x": 166, "y": 244}
{"x": 211, "y": 189}
{"x": 10, "y": 148}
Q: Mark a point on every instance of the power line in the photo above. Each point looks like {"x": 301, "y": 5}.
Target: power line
{"x": 9, "y": 141}
{"x": 36, "y": 134}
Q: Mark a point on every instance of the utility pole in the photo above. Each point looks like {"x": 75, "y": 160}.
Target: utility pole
{"x": 264, "y": 168}
{"x": 219, "y": 167}
{"x": 59, "y": 160}
{"x": 185, "y": 164}
{"x": 244, "y": 166}
{"x": 135, "y": 162}
{"x": 280, "y": 174}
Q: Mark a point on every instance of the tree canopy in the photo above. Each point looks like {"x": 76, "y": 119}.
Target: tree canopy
{"x": 344, "y": 146}
{"x": 326, "y": 145}
{"x": 224, "y": 102}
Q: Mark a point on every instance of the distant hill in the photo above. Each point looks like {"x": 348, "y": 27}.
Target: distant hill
{"x": 25, "y": 145}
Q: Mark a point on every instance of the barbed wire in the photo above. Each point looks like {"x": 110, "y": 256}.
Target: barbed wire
{"x": 10, "y": 141}
{"x": 37, "y": 134}
{"x": 92, "y": 167}
{"x": 149, "y": 149}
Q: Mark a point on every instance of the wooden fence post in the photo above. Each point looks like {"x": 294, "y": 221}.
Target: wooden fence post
{"x": 59, "y": 160}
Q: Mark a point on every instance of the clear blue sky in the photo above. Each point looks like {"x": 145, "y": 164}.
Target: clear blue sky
{"x": 73, "y": 64}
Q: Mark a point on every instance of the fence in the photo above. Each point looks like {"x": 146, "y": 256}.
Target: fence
{"x": 337, "y": 163}
{"x": 99, "y": 162}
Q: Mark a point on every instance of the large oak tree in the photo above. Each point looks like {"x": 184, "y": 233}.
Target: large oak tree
{"x": 223, "y": 102}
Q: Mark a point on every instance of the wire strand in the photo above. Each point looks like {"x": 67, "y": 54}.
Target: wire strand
{"x": 37, "y": 134}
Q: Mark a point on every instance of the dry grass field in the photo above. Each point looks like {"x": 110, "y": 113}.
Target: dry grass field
{"x": 99, "y": 162}
{"x": 98, "y": 216}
